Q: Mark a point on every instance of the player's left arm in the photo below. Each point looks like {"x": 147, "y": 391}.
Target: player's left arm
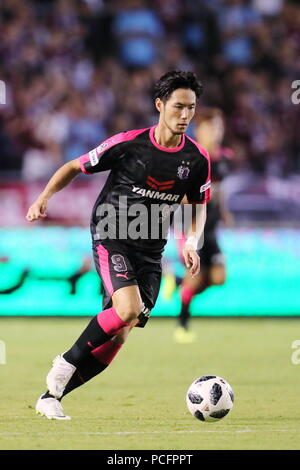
{"x": 194, "y": 239}
{"x": 198, "y": 195}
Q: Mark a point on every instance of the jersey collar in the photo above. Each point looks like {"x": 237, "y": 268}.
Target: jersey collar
{"x": 165, "y": 149}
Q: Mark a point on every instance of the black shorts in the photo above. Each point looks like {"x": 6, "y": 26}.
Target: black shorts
{"x": 211, "y": 254}
{"x": 120, "y": 265}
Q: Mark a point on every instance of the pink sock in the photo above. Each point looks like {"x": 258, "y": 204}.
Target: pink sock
{"x": 110, "y": 321}
{"x": 106, "y": 352}
{"x": 187, "y": 293}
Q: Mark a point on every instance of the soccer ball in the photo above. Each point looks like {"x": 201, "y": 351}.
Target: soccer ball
{"x": 209, "y": 398}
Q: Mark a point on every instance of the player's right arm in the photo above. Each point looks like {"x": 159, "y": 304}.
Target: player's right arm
{"x": 101, "y": 158}
{"x": 61, "y": 178}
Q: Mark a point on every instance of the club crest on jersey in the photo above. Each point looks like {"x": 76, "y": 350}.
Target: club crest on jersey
{"x": 183, "y": 170}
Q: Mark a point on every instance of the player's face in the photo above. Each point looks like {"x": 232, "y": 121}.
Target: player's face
{"x": 177, "y": 112}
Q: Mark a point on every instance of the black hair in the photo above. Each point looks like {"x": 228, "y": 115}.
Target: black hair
{"x": 171, "y": 81}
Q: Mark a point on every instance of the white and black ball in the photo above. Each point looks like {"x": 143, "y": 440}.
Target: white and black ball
{"x": 209, "y": 398}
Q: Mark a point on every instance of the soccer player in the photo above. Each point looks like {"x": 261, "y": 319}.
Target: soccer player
{"x": 209, "y": 130}
{"x": 148, "y": 167}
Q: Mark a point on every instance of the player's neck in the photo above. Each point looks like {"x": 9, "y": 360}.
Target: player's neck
{"x": 164, "y": 137}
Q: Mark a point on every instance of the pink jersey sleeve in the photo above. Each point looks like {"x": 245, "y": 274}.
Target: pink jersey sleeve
{"x": 104, "y": 156}
{"x": 200, "y": 193}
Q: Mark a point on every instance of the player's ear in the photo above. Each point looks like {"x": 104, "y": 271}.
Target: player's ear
{"x": 158, "y": 104}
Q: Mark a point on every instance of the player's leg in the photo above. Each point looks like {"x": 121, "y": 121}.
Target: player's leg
{"x": 217, "y": 274}
{"x": 65, "y": 377}
{"x": 98, "y": 360}
{"x": 127, "y": 305}
{"x": 114, "y": 266}
{"x": 189, "y": 288}
{"x": 148, "y": 277}
{"x": 212, "y": 273}
{"x": 124, "y": 307}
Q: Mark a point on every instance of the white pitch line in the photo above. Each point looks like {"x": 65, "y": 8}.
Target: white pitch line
{"x": 123, "y": 433}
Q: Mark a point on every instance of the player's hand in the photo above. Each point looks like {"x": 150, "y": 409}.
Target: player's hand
{"x": 192, "y": 260}
{"x": 37, "y": 210}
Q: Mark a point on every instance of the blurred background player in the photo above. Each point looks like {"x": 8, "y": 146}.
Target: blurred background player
{"x": 209, "y": 132}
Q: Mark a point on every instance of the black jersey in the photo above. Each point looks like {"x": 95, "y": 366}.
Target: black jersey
{"x": 144, "y": 174}
{"x": 221, "y": 165}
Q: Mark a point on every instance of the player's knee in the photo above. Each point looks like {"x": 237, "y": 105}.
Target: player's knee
{"x": 129, "y": 311}
{"x": 217, "y": 278}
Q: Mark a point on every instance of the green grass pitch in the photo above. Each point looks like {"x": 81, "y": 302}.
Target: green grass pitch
{"x": 139, "y": 402}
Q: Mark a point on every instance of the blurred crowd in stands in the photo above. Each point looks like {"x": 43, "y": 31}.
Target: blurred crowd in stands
{"x": 77, "y": 71}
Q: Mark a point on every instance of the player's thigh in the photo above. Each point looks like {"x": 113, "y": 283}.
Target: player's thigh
{"x": 116, "y": 267}
{"x": 196, "y": 282}
{"x": 217, "y": 274}
{"x": 214, "y": 260}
